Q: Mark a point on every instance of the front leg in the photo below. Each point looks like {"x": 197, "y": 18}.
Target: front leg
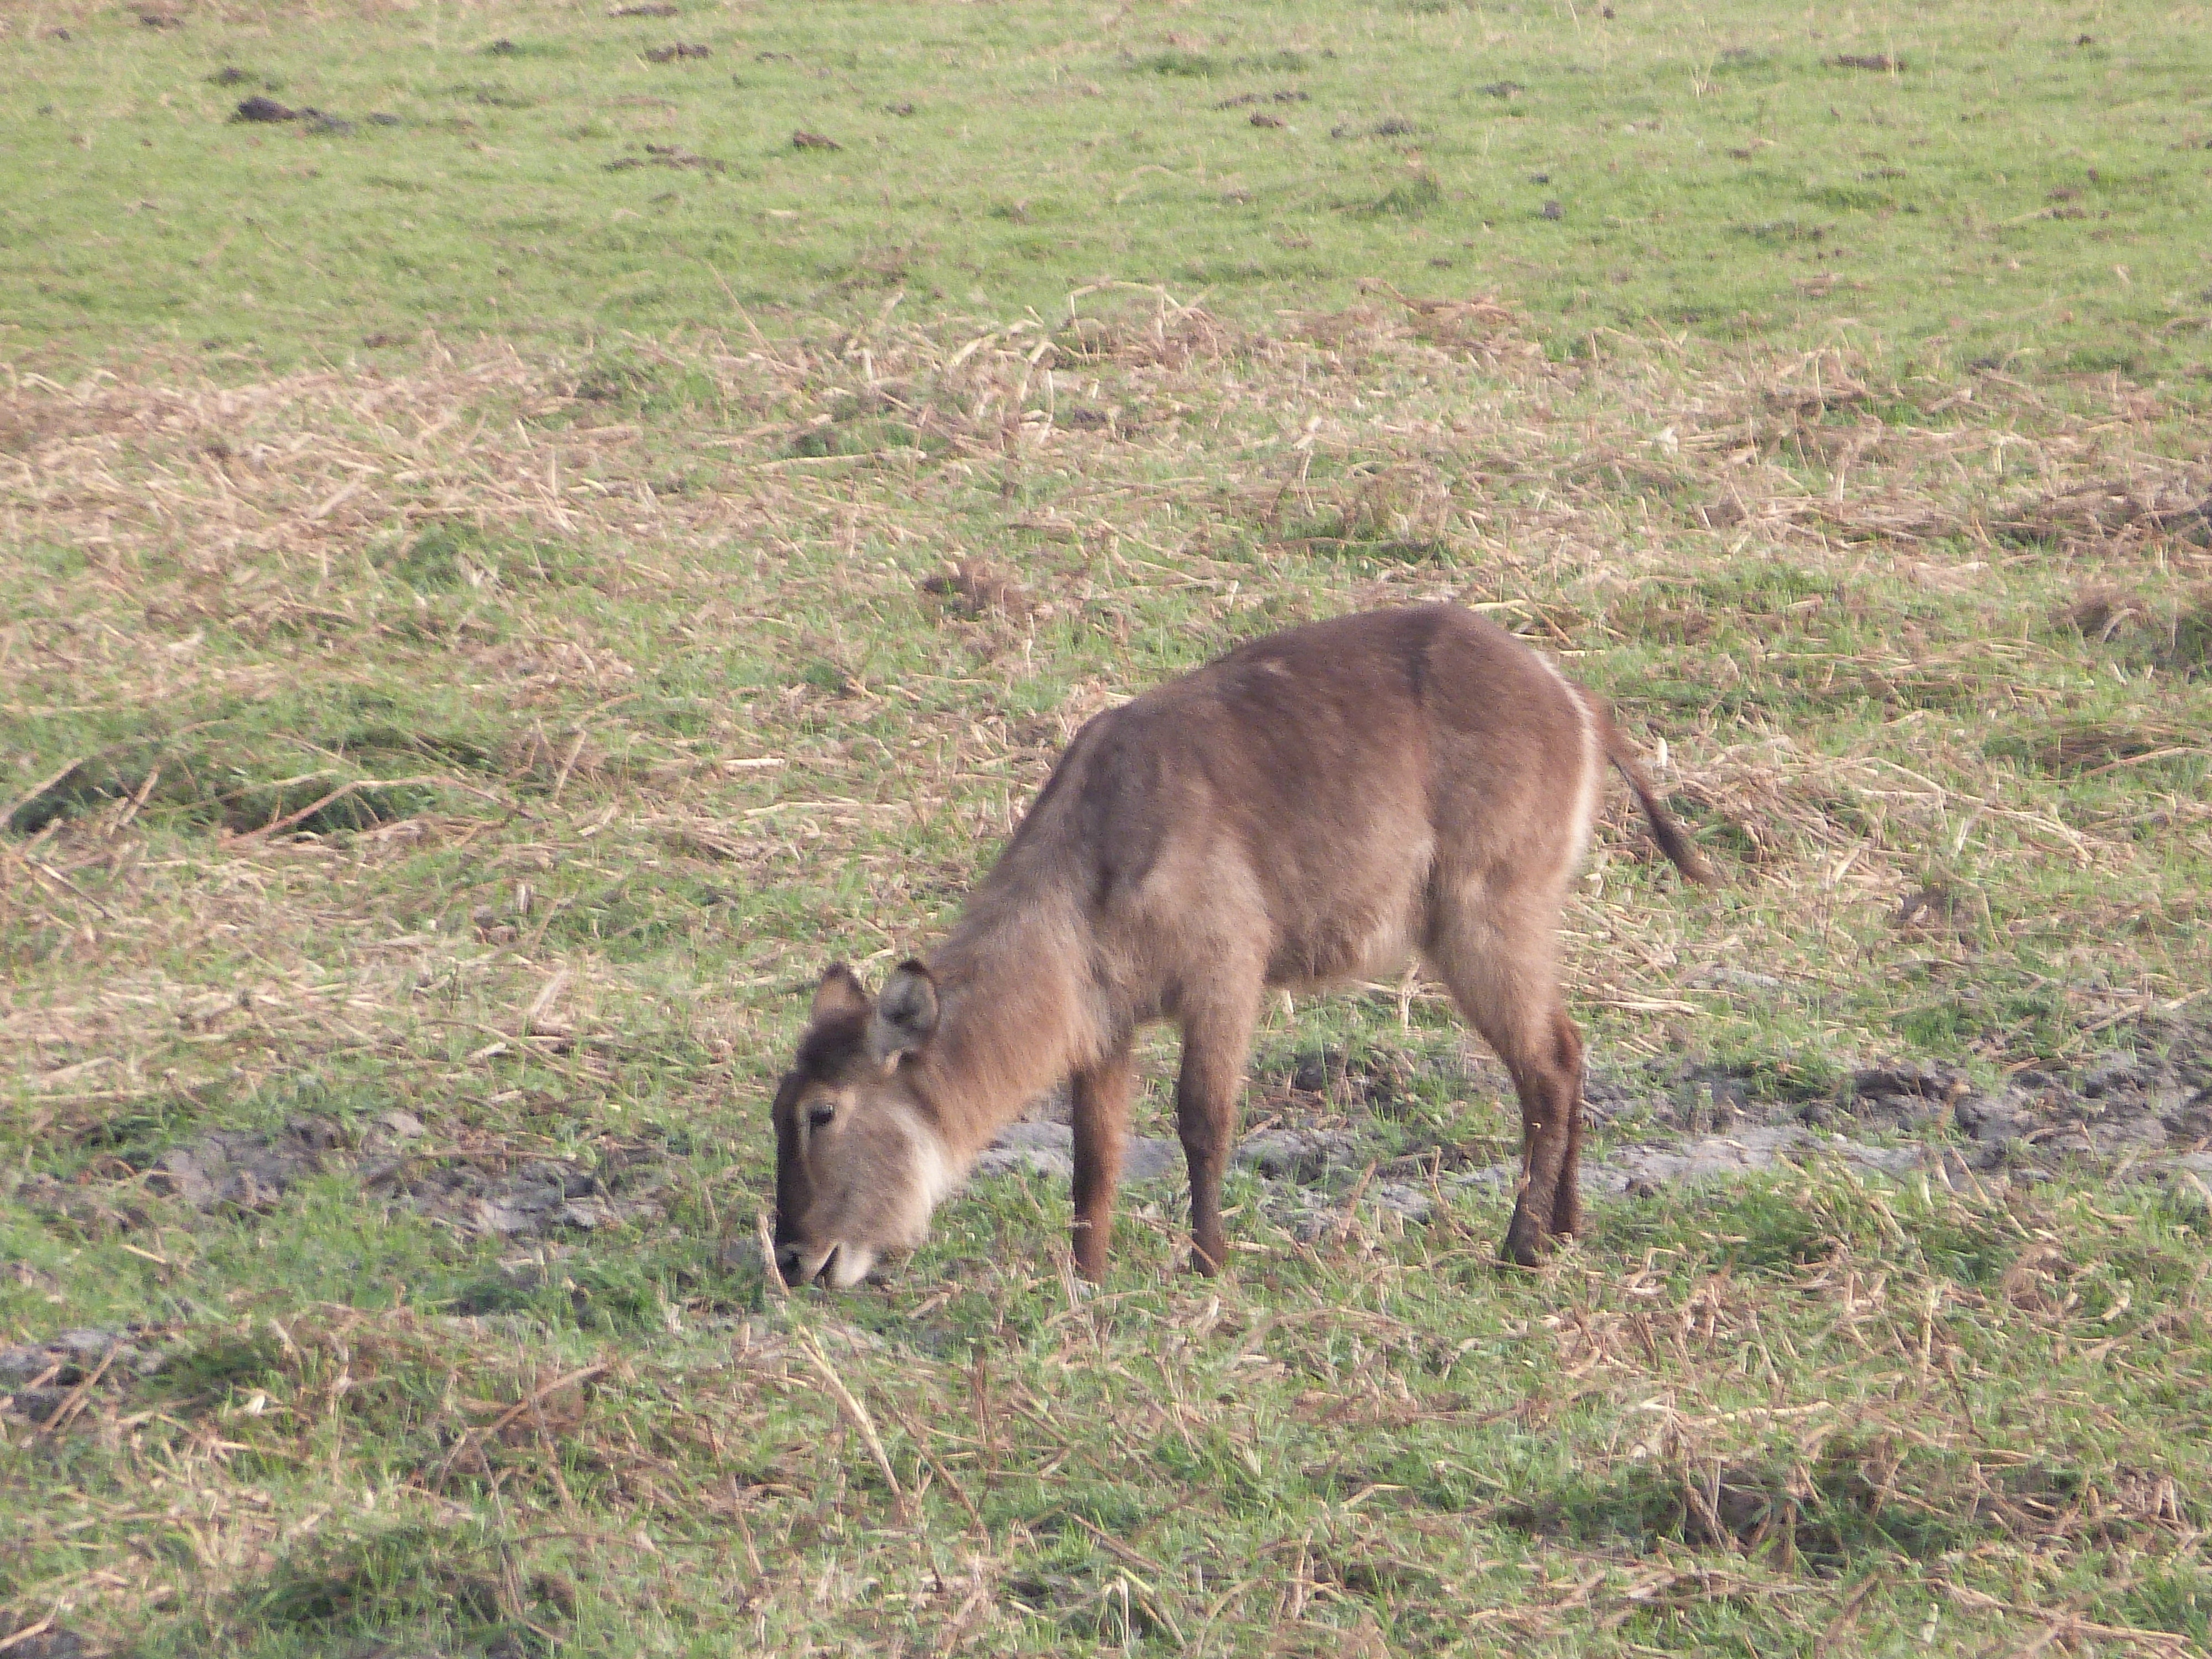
{"x": 1102, "y": 1130}
{"x": 1215, "y": 1044}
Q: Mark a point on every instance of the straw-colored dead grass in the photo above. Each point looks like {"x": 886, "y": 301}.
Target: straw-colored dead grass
{"x": 439, "y": 524}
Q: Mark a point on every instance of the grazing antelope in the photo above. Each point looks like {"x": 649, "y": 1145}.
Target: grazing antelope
{"x": 1315, "y": 807}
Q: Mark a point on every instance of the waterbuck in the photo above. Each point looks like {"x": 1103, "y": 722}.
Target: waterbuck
{"x": 1316, "y": 807}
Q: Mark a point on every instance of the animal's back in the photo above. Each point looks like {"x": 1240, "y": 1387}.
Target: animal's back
{"x": 1292, "y": 797}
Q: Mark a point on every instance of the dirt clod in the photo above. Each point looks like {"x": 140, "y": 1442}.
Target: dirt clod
{"x": 259, "y": 108}
{"x": 668, "y": 155}
{"x": 242, "y": 1168}
{"x": 533, "y": 1198}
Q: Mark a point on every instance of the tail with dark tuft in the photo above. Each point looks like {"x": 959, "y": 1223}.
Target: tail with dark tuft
{"x": 1664, "y": 829}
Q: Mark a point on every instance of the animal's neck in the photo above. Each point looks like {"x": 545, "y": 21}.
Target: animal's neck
{"x": 1016, "y": 1019}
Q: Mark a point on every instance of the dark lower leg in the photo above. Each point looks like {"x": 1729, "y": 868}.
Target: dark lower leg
{"x": 1567, "y": 1197}
{"x": 1550, "y": 1083}
{"x": 1101, "y": 1124}
{"x": 1205, "y": 1117}
{"x": 1543, "y": 1151}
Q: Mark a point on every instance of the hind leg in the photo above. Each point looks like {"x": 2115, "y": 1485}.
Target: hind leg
{"x": 1567, "y": 1196}
{"x": 1545, "y": 1056}
{"x": 1501, "y": 965}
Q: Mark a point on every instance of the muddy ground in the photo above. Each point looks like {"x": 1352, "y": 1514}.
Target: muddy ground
{"x": 488, "y": 1192}
{"x": 1315, "y": 1143}
{"x": 1325, "y": 1140}
{"x": 1323, "y": 1147}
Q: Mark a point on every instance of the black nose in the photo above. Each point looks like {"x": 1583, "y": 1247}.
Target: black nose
{"x": 787, "y": 1264}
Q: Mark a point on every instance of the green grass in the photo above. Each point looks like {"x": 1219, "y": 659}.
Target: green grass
{"x": 2028, "y": 187}
{"x": 501, "y": 729}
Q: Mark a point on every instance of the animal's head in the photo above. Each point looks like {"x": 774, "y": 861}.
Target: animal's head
{"x": 859, "y": 1162}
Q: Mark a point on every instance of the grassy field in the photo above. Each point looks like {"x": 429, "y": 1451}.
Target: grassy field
{"x": 1963, "y": 181}
{"x": 485, "y": 624}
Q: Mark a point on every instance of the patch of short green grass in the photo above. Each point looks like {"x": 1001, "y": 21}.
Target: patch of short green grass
{"x": 2024, "y": 189}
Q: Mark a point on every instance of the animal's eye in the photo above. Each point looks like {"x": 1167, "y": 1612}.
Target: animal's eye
{"x": 820, "y": 1114}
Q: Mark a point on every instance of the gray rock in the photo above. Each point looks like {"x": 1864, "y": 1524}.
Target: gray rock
{"x": 19, "y": 1365}
{"x": 2189, "y": 1178}
{"x": 1504, "y": 1176}
{"x": 1309, "y": 1216}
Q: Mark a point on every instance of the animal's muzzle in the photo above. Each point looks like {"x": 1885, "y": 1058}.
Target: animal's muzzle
{"x": 791, "y": 1262}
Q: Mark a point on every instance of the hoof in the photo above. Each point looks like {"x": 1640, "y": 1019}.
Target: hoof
{"x": 1524, "y": 1247}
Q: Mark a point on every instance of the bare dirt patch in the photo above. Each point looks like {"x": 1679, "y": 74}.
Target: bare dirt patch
{"x": 1318, "y": 1157}
{"x": 489, "y": 1193}
{"x": 507, "y": 1198}
{"x": 47, "y": 1383}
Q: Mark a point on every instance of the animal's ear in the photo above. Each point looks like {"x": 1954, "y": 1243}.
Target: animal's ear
{"x": 840, "y": 993}
{"x": 906, "y": 1015}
